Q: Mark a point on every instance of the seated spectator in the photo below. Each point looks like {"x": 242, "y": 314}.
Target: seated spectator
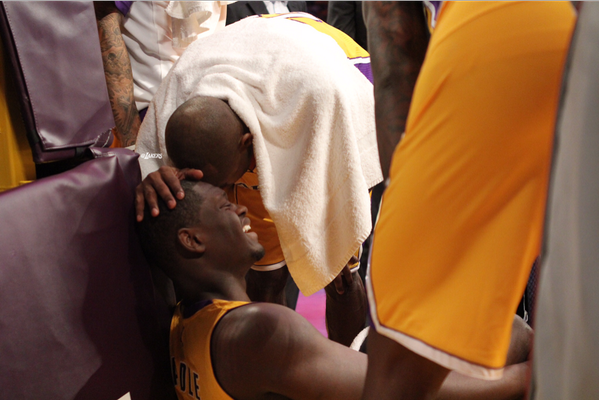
{"x": 222, "y": 346}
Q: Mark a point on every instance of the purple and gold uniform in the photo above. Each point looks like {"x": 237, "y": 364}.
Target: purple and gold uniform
{"x": 462, "y": 218}
{"x": 191, "y": 361}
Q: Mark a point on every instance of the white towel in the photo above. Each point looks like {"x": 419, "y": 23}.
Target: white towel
{"x": 312, "y": 116}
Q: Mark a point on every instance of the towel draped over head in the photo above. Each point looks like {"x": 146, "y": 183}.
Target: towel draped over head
{"x": 311, "y": 113}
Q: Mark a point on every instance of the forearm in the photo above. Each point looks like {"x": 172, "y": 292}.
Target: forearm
{"x": 346, "y": 313}
{"x": 394, "y": 372}
{"x": 397, "y": 40}
{"x": 512, "y": 386}
{"x": 119, "y": 78}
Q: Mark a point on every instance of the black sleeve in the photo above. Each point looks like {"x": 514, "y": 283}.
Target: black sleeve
{"x": 242, "y": 9}
{"x": 342, "y": 15}
{"x": 298, "y": 6}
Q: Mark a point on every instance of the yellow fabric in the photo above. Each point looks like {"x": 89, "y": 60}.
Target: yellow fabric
{"x": 191, "y": 362}
{"x": 462, "y": 219}
{"x": 16, "y": 160}
{"x": 246, "y": 190}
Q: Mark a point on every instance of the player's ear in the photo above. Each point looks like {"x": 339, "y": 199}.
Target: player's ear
{"x": 246, "y": 140}
{"x": 192, "y": 241}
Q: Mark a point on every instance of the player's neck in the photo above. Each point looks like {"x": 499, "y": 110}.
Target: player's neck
{"x": 217, "y": 285}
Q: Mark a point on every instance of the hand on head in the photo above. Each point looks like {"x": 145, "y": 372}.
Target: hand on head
{"x": 166, "y": 183}
{"x": 208, "y": 141}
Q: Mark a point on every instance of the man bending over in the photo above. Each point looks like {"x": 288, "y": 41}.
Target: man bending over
{"x": 296, "y": 145}
{"x": 222, "y": 346}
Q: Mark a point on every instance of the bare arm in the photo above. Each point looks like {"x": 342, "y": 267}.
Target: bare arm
{"x": 117, "y": 70}
{"x": 397, "y": 40}
{"x": 516, "y": 374}
{"x": 512, "y": 386}
{"x": 265, "y": 349}
{"x": 346, "y": 305}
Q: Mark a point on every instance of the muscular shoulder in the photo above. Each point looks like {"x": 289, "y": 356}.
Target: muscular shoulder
{"x": 251, "y": 345}
{"x": 256, "y": 325}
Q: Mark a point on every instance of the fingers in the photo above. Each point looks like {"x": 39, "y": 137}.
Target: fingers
{"x": 347, "y": 274}
{"x": 162, "y": 183}
{"x": 346, "y": 271}
{"x": 149, "y": 196}
{"x": 338, "y": 282}
{"x": 191, "y": 174}
{"x": 158, "y": 183}
{"x": 166, "y": 182}
{"x": 139, "y": 202}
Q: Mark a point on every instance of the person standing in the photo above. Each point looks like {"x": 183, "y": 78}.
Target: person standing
{"x": 462, "y": 218}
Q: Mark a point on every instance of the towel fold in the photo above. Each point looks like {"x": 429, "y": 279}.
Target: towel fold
{"x": 312, "y": 116}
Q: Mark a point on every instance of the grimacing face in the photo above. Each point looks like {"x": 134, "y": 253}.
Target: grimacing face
{"x": 229, "y": 236}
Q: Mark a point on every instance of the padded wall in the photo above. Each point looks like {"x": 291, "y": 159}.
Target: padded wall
{"x": 79, "y": 318}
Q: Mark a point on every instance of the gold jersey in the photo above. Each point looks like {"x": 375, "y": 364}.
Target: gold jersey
{"x": 191, "y": 361}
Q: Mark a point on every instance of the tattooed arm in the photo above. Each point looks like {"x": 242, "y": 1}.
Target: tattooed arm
{"x": 397, "y": 41}
{"x": 117, "y": 69}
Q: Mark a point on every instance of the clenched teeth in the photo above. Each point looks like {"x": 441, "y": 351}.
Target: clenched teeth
{"x": 246, "y": 229}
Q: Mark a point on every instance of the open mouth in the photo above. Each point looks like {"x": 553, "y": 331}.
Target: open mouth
{"x": 245, "y": 225}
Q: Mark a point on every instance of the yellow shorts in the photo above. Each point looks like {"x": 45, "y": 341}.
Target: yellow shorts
{"x": 462, "y": 218}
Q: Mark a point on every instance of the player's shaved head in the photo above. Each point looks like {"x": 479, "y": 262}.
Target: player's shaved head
{"x": 204, "y": 133}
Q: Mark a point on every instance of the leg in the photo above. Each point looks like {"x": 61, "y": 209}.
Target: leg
{"x": 267, "y": 286}
{"x": 346, "y": 312}
{"x": 394, "y": 372}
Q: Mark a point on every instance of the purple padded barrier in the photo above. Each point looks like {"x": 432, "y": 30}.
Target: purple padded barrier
{"x": 79, "y": 318}
{"x": 55, "y": 52}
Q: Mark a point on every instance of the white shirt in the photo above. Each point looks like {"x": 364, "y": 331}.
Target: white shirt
{"x": 276, "y": 7}
{"x": 148, "y": 35}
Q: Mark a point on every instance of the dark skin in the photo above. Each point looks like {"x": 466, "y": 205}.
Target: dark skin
{"x": 117, "y": 70}
{"x": 346, "y": 297}
{"x": 397, "y": 38}
{"x": 346, "y": 288}
{"x": 267, "y": 351}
